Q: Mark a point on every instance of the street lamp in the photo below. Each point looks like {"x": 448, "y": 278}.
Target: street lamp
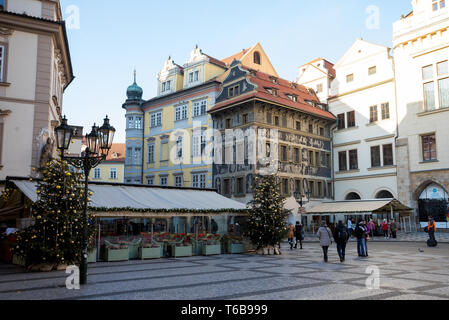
{"x": 99, "y": 142}
{"x": 298, "y": 196}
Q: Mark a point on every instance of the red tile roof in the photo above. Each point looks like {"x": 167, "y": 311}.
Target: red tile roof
{"x": 236, "y": 56}
{"x": 284, "y": 87}
{"x": 117, "y": 153}
{"x": 216, "y": 61}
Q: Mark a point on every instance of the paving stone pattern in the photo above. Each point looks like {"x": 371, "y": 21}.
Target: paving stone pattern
{"x": 405, "y": 273}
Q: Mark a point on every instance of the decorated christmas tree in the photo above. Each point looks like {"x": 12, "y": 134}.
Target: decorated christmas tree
{"x": 56, "y": 238}
{"x": 266, "y": 223}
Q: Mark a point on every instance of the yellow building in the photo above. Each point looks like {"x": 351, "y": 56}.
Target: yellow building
{"x": 111, "y": 170}
{"x": 169, "y": 137}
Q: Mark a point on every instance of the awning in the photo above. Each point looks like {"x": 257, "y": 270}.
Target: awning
{"x": 139, "y": 202}
{"x": 359, "y": 207}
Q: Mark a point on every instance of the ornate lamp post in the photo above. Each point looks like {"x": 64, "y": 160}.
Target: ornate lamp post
{"x": 99, "y": 142}
{"x": 298, "y": 195}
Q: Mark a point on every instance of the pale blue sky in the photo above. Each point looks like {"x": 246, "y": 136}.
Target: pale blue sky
{"x": 116, "y": 36}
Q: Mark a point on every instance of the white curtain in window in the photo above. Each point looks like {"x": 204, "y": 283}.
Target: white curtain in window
{"x": 429, "y": 93}
{"x": 444, "y": 93}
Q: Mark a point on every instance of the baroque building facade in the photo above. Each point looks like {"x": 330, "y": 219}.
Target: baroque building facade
{"x": 35, "y": 69}
{"x": 268, "y": 125}
{"x": 421, "y": 51}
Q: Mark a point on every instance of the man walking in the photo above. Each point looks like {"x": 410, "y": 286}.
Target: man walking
{"x": 360, "y": 233}
{"x": 341, "y": 236}
{"x": 299, "y": 235}
{"x": 350, "y": 227}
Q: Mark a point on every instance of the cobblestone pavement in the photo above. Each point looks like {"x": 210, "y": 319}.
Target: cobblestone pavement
{"x": 405, "y": 273}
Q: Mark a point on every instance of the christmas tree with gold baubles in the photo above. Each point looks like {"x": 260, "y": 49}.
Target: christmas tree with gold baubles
{"x": 266, "y": 226}
{"x": 56, "y": 238}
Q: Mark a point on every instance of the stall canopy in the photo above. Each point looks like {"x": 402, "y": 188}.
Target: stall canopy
{"x": 109, "y": 200}
{"x": 359, "y": 207}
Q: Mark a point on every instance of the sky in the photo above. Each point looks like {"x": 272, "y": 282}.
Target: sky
{"x": 108, "y": 39}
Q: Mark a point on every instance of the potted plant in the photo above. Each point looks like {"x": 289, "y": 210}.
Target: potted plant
{"x": 150, "y": 251}
{"x": 212, "y": 245}
{"x": 115, "y": 252}
{"x": 181, "y": 249}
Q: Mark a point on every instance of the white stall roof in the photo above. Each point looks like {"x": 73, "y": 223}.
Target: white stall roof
{"x": 111, "y": 196}
{"x": 359, "y": 207}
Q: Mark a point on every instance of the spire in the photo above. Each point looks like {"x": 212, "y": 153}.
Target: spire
{"x": 135, "y": 73}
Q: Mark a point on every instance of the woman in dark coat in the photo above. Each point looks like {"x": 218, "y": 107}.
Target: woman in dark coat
{"x": 299, "y": 234}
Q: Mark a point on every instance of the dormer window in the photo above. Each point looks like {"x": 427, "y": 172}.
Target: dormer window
{"x": 294, "y": 86}
{"x": 166, "y": 86}
{"x": 292, "y": 97}
{"x": 234, "y": 91}
{"x": 257, "y": 57}
{"x": 272, "y": 91}
{"x": 274, "y": 80}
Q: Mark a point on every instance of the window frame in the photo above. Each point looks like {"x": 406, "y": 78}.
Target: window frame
{"x": 432, "y": 150}
{"x": 373, "y": 154}
{"x": 113, "y": 174}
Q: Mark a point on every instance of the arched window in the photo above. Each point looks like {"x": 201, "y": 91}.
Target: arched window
{"x": 257, "y": 57}
{"x": 353, "y": 196}
{"x": 384, "y": 194}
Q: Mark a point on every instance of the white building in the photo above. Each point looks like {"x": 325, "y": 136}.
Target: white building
{"x": 421, "y": 50}
{"x": 362, "y": 96}
{"x": 35, "y": 68}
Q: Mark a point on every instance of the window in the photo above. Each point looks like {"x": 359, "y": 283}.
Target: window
{"x": 181, "y": 113}
{"x": 341, "y": 121}
{"x": 375, "y": 157}
{"x": 443, "y": 85}
{"x": 178, "y": 181}
{"x": 130, "y": 123}
{"x": 311, "y": 128}
{"x": 2, "y": 63}
{"x": 297, "y": 155}
{"x": 166, "y": 86}
{"x": 269, "y": 118}
{"x": 190, "y": 77}
{"x": 284, "y": 121}
{"x": 442, "y": 68}
{"x": 156, "y": 120}
{"x": 317, "y": 159}
{"x": 285, "y": 187}
{"x": 385, "y": 111}
{"x": 312, "y": 188}
{"x": 388, "y": 154}
{"x": 311, "y": 158}
{"x": 372, "y": 71}
{"x": 284, "y": 153}
{"x": 298, "y": 125}
{"x": 164, "y": 181}
{"x": 322, "y": 131}
{"x": 429, "y": 147}
{"x": 113, "y": 173}
{"x": 298, "y": 186}
{"x": 197, "y": 76}
{"x": 97, "y": 173}
{"x": 373, "y": 116}
{"x": 179, "y": 148}
{"x": 276, "y": 121}
{"x": 329, "y": 189}
{"x": 342, "y": 161}
{"x": 245, "y": 118}
{"x": 137, "y": 155}
{"x": 319, "y": 88}
{"x": 150, "y": 181}
{"x": 427, "y": 72}
{"x": 129, "y": 155}
{"x": 226, "y": 187}
{"x": 151, "y": 153}
{"x": 234, "y": 91}
{"x": 351, "y": 119}
{"x": 353, "y": 160}
{"x": 228, "y": 123}
{"x": 292, "y": 97}
{"x": 328, "y": 160}
{"x": 257, "y": 57}
{"x": 438, "y": 4}
{"x": 320, "y": 189}
{"x": 429, "y": 96}
{"x": 350, "y": 78}
{"x": 239, "y": 186}
{"x": 138, "y": 124}
{"x": 199, "y": 108}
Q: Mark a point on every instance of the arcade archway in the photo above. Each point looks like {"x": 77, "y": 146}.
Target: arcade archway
{"x": 434, "y": 201}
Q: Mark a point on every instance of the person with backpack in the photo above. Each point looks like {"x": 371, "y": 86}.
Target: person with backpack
{"x": 324, "y": 234}
{"x": 360, "y": 233}
{"x": 341, "y": 237}
{"x": 299, "y": 235}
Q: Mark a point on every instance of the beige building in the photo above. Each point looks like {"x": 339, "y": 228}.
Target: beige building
{"x": 421, "y": 51}
{"x": 112, "y": 170}
{"x": 35, "y": 69}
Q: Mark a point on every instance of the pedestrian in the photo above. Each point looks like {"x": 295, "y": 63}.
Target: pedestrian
{"x": 324, "y": 234}
{"x": 341, "y": 237}
{"x": 366, "y": 237}
{"x": 299, "y": 234}
{"x": 372, "y": 227}
{"x": 291, "y": 235}
{"x": 393, "y": 228}
{"x": 431, "y": 228}
{"x": 385, "y": 228}
{"x": 360, "y": 233}
{"x": 350, "y": 227}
